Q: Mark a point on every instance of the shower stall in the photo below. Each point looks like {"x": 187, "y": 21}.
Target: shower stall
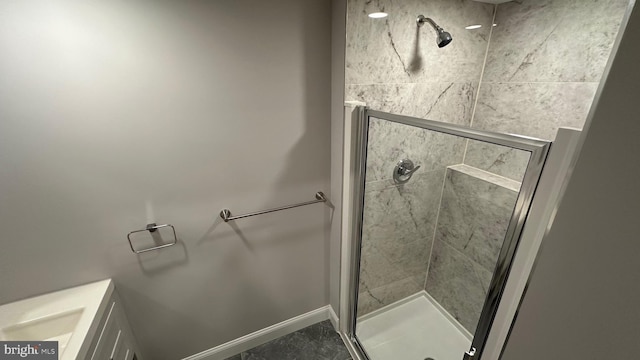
{"x": 433, "y": 239}
{"x": 437, "y": 206}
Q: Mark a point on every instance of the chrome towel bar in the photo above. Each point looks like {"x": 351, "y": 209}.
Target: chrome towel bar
{"x": 225, "y": 214}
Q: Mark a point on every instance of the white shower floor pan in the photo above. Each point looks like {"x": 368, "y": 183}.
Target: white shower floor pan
{"x": 415, "y": 328}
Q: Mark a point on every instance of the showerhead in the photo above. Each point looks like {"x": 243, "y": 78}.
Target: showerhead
{"x": 443, "y": 39}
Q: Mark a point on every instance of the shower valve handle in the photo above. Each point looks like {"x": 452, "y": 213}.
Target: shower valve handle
{"x": 403, "y": 171}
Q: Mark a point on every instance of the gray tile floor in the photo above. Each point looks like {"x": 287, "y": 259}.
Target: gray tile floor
{"x": 316, "y": 342}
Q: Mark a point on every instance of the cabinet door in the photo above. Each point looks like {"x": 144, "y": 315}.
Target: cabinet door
{"x": 115, "y": 340}
{"x": 108, "y": 337}
{"x": 116, "y": 352}
{"x": 122, "y": 350}
{"x": 130, "y": 355}
{"x": 112, "y": 344}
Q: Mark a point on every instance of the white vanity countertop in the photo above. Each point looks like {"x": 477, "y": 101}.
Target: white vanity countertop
{"x": 74, "y": 308}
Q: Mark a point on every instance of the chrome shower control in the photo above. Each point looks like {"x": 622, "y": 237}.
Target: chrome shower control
{"x": 403, "y": 171}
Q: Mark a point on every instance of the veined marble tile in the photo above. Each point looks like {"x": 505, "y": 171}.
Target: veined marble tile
{"x": 458, "y": 284}
{"x": 376, "y": 270}
{"x": 409, "y": 254}
{"x": 533, "y": 109}
{"x": 377, "y": 205}
{"x": 367, "y": 303}
{"x": 399, "y": 232}
{"x": 379, "y": 185}
{"x": 401, "y": 216}
{"x": 418, "y": 199}
{"x": 391, "y": 142}
{"x": 500, "y": 160}
{"x": 450, "y": 102}
{"x": 401, "y": 226}
{"x": 398, "y": 225}
{"x": 553, "y": 40}
{"x": 395, "y": 50}
{"x": 474, "y": 216}
{"x": 398, "y": 228}
{"x": 373, "y": 299}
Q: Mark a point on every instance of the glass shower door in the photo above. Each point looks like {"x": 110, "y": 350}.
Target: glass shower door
{"x": 441, "y": 209}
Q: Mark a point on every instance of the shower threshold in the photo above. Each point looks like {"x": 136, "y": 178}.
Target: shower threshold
{"x": 416, "y": 327}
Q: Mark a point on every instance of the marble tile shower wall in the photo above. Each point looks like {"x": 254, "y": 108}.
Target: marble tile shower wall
{"x": 400, "y": 219}
{"x": 394, "y": 66}
{"x": 474, "y": 215}
{"x": 544, "y": 60}
{"x": 544, "y": 63}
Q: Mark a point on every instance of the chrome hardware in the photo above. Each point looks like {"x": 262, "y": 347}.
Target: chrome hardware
{"x": 469, "y": 354}
{"x": 151, "y": 228}
{"x": 225, "y": 214}
{"x": 538, "y": 150}
{"x": 421, "y": 19}
{"x": 403, "y": 171}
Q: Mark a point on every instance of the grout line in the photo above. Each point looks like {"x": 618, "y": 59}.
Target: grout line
{"x": 484, "y": 65}
{"x": 467, "y": 257}
{"x": 435, "y": 228}
{"x": 466, "y": 143}
{"x": 453, "y": 248}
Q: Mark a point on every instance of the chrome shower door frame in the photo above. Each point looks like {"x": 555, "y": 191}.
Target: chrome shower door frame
{"x": 538, "y": 149}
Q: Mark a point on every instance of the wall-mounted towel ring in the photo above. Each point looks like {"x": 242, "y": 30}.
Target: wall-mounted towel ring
{"x": 151, "y": 228}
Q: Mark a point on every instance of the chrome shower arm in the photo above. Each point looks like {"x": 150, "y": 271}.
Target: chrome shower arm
{"x": 421, "y": 20}
{"x": 443, "y": 38}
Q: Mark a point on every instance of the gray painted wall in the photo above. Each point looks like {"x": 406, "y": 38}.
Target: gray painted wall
{"x": 582, "y": 301}
{"x": 338, "y": 24}
{"x": 116, "y": 113}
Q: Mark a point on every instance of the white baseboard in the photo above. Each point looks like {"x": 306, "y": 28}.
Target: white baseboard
{"x": 267, "y": 334}
{"x": 334, "y": 319}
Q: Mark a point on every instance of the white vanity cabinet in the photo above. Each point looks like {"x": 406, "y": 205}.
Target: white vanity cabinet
{"x": 87, "y": 321}
{"x": 113, "y": 339}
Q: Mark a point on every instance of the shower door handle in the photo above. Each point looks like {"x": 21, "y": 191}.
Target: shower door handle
{"x": 468, "y": 355}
